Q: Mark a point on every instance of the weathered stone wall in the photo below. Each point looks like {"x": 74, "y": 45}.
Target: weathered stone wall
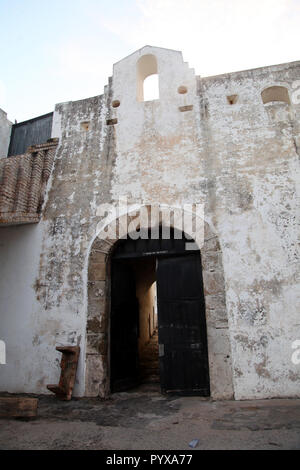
{"x": 44, "y": 288}
{"x": 251, "y": 164}
{"x": 5, "y": 131}
{"x": 219, "y": 351}
{"x": 191, "y": 146}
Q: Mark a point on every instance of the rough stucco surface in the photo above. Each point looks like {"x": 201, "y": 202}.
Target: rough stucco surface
{"x": 253, "y": 174}
{"x": 240, "y": 160}
{"x": 50, "y": 308}
{"x": 5, "y": 131}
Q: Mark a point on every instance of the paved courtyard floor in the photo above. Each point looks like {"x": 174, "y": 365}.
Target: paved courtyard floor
{"x": 145, "y": 419}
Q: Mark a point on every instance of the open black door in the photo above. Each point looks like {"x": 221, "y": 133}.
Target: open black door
{"x": 182, "y": 332}
{"x": 124, "y": 328}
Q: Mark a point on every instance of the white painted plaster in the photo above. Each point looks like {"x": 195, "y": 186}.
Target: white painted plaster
{"x": 5, "y": 131}
{"x": 241, "y": 161}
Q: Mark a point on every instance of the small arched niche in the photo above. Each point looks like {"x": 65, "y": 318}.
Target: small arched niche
{"x": 275, "y": 93}
{"x": 147, "y": 89}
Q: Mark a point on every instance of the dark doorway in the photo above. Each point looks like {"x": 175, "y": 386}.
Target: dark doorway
{"x": 182, "y": 337}
{"x": 124, "y": 325}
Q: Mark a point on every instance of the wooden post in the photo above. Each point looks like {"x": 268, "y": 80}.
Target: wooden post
{"x": 69, "y": 361}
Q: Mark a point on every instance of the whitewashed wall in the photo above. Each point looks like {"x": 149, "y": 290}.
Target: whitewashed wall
{"x": 5, "y": 131}
{"x": 241, "y": 161}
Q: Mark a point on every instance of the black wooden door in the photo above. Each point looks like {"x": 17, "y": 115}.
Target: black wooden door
{"x": 182, "y": 327}
{"x": 124, "y": 328}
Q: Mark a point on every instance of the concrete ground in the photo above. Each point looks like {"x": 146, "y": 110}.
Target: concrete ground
{"x": 145, "y": 419}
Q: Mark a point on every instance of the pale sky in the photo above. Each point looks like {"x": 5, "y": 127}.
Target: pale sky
{"x": 63, "y": 50}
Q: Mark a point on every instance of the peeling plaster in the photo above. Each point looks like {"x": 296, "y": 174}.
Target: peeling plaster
{"x": 241, "y": 161}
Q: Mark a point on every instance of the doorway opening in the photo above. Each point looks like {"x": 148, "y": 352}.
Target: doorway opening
{"x": 134, "y": 335}
{"x": 157, "y": 323}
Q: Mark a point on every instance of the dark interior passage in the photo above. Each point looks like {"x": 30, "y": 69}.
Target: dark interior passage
{"x": 134, "y": 336}
{"x": 145, "y": 276}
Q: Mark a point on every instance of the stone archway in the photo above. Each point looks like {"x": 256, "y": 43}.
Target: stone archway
{"x": 98, "y": 314}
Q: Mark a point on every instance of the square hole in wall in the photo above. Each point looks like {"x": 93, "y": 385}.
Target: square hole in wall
{"x": 232, "y": 99}
{"x": 85, "y": 125}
